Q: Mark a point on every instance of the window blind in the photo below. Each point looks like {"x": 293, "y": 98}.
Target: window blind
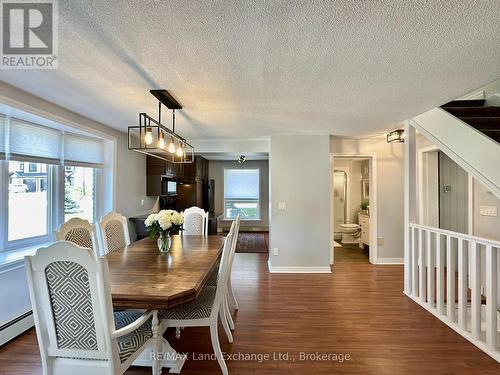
{"x": 82, "y": 150}
{"x": 32, "y": 142}
{"x": 2, "y": 137}
{"x": 241, "y": 184}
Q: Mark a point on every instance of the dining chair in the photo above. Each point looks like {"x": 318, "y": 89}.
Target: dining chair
{"x": 113, "y": 232}
{"x": 204, "y": 311}
{"x": 77, "y": 331}
{"x": 80, "y": 232}
{"x": 229, "y": 298}
{"x": 195, "y": 221}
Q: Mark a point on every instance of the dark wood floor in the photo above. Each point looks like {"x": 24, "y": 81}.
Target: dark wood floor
{"x": 358, "y": 310}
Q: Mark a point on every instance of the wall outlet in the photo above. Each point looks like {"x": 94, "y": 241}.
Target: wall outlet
{"x": 142, "y": 202}
{"x": 276, "y": 252}
{"x": 488, "y": 211}
{"x": 380, "y": 241}
{"x": 281, "y": 206}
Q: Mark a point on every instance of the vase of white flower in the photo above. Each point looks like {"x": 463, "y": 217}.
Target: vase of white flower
{"x": 161, "y": 225}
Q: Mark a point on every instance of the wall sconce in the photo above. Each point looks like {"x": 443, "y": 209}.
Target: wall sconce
{"x": 397, "y": 135}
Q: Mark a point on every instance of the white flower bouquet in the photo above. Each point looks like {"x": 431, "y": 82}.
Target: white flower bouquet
{"x": 162, "y": 224}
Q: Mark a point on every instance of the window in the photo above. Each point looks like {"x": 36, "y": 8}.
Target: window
{"x": 242, "y": 194}
{"x": 32, "y": 167}
{"x": 28, "y": 213}
{"x": 79, "y": 193}
{"x": 47, "y": 177}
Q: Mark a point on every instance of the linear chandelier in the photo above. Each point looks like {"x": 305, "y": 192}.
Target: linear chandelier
{"x": 153, "y": 138}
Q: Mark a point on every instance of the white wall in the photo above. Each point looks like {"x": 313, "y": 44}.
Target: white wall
{"x": 216, "y": 172}
{"x": 300, "y": 176}
{"x": 129, "y": 183}
{"x": 390, "y": 189}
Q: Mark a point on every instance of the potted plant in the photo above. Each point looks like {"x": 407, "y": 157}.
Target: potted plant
{"x": 161, "y": 225}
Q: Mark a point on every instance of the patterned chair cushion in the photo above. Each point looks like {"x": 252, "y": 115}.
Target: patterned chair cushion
{"x": 71, "y": 303}
{"x": 193, "y": 224}
{"x": 115, "y": 236}
{"x": 200, "y": 308}
{"x": 79, "y": 236}
{"x": 129, "y": 344}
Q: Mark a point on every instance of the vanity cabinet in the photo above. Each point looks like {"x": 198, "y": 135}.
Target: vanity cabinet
{"x": 364, "y": 222}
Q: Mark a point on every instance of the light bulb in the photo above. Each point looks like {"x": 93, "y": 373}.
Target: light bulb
{"x": 180, "y": 151}
{"x": 171, "y": 146}
{"x": 161, "y": 141}
{"x": 148, "y": 138}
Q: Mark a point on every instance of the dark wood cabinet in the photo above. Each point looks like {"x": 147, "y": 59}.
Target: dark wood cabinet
{"x": 188, "y": 173}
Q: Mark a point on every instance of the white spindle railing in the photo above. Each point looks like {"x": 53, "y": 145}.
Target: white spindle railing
{"x": 450, "y": 274}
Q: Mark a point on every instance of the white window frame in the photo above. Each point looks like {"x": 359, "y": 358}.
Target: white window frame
{"x": 103, "y": 196}
{"x": 259, "y": 200}
{"x": 97, "y": 187}
{"x": 51, "y": 212}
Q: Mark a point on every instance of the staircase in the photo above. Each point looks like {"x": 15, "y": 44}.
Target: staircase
{"x": 475, "y": 114}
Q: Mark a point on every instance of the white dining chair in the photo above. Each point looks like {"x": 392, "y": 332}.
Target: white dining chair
{"x": 204, "y": 311}
{"x": 195, "y": 222}
{"x": 78, "y": 333}
{"x": 80, "y": 232}
{"x": 113, "y": 232}
{"x": 230, "y": 300}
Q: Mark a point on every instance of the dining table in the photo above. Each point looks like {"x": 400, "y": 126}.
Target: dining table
{"x": 141, "y": 277}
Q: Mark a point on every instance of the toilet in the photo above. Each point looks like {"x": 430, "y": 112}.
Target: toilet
{"x": 350, "y": 232}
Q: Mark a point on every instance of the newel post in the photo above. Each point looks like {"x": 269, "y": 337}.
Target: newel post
{"x": 410, "y": 173}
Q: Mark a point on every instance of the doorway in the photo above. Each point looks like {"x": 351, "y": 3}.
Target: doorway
{"x": 444, "y": 192}
{"x": 353, "y": 206}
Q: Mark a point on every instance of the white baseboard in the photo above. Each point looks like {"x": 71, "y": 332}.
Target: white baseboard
{"x": 18, "y": 326}
{"x": 390, "y": 261}
{"x": 274, "y": 269}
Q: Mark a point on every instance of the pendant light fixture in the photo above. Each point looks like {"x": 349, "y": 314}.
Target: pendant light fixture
{"x": 149, "y": 137}
{"x": 397, "y": 135}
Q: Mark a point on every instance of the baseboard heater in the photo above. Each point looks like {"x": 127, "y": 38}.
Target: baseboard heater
{"x": 15, "y": 327}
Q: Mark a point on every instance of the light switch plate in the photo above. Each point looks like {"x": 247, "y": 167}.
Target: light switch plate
{"x": 281, "y": 205}
{"x": 380, "y": 241}
{"x": 488, "y": 211}
{"x": 276, "y": 252}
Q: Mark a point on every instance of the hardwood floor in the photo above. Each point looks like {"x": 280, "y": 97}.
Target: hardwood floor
{"x": 358, "y": 310}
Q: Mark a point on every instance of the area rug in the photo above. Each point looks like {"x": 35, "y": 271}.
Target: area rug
{"x": 249, "y": 242}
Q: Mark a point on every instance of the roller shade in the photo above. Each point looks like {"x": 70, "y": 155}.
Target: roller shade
{"x": 2, "y": 137}
{"x": 83, "y": 150}
{"x": 32, "y": 142}
{"x": 241, "y": 184}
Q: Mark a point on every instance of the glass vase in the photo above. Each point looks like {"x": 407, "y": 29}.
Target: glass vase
{"x": 164, "y": 242}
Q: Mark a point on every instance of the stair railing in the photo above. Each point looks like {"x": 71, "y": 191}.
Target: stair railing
{"x": 455, "y": 277}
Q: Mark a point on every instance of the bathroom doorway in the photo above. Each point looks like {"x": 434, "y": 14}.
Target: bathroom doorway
{"x": 352, "y": 209}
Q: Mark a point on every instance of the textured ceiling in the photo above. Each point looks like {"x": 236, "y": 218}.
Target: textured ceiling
{"x": 247, "y": 69}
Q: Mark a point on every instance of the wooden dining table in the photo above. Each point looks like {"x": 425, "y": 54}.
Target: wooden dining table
{"x": 143, "y": 278}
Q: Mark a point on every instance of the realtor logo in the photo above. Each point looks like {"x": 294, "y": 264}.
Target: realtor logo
{"x": 29, "y": 34}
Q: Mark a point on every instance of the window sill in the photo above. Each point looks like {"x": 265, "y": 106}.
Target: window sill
{"x": 245, "y": 220}
{"x": 12, "y": 258}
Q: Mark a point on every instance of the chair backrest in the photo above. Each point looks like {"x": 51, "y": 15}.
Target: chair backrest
{"x": 80, "y": 232}
{"x": 72, "y": 308}
{"x": 234, "y": 243}
{"x": 223, "y": 274}
{"x": 113, "y": 232}
{"x": 195, "y": 221}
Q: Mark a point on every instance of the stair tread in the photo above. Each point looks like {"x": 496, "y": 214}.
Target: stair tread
{"x": 465, "y": 103}
{"x": 473, "y": 111}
